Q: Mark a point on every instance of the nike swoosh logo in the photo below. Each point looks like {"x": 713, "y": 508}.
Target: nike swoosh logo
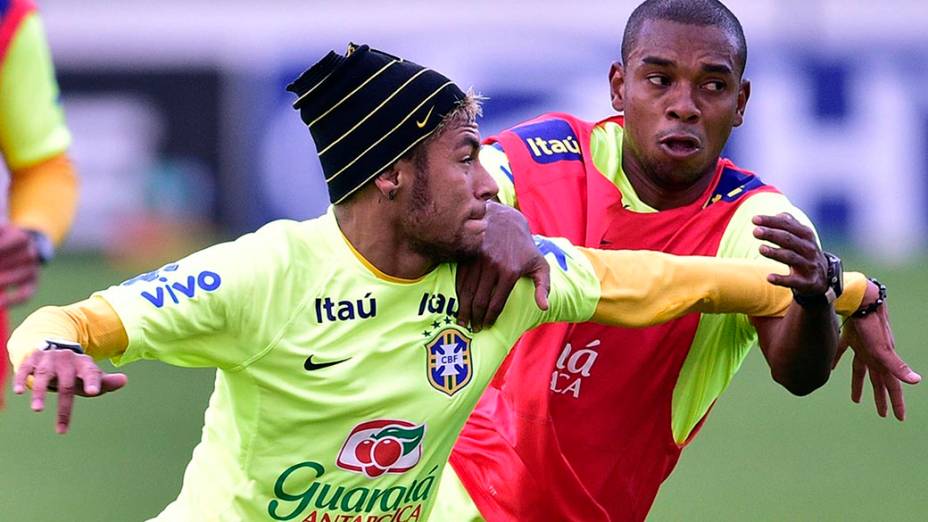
{"x": 425, "y": 120}
{"x": 310, "y": 365}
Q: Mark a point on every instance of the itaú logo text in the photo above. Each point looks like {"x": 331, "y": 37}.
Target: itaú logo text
{"x": 550, "y": 141}
{"x": 541, "y": 147}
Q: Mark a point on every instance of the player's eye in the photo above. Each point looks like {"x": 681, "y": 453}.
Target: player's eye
{"x": 658, "y": 79}
{"x": 715, "y": 86}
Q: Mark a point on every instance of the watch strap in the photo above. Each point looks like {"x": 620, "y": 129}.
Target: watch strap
{"x": 59, "y": 344}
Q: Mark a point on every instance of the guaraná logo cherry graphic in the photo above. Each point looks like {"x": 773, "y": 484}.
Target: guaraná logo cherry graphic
{"x": 378, "y": 447}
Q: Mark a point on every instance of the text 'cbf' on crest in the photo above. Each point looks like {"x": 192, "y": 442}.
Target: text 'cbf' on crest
{"x": 450, "y": 362}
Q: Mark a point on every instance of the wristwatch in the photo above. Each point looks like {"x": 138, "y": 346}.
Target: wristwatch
{"x": 62, "y": 344}
{"x": 835, "y": 285}
{"x": 44, "y": 247}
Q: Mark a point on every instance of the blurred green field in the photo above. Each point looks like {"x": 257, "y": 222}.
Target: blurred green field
{"x": 763, "y": 455}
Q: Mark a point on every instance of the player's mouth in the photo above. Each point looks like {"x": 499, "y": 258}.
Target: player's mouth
{"x": 680, "y": 145}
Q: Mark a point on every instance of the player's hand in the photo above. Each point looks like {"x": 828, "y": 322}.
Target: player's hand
{"x": 508, "y": 253}
{"x": 871, "y": 338}
{"x": 67, "y": 373}
{"x": 808, "y": 268}
{"x": 19, "y": 266}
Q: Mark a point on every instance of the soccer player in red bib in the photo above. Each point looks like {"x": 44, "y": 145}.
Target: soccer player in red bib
{"x": 585, "y": 422}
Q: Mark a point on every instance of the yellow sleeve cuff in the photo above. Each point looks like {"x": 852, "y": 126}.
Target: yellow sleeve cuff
{"x": 43, "y": 197}
{"x": 92, "y": 323}
{"x": 855, "y": 286}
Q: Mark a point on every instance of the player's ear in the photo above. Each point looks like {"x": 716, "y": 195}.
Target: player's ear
{"x": 389, "y": 182}
{"x": 744, "y": 92}
{"x": 617, "y": 86}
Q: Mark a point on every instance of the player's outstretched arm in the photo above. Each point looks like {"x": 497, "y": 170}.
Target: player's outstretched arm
{"x": 90, "y": 324}
{"x": 643, "y": 288}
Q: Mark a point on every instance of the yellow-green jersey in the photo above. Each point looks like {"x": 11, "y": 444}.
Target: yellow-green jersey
{"x": 340, "y": 390}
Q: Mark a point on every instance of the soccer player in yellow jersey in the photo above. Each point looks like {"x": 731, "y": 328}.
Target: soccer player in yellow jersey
{"x": 342, "y": 377}
{"x": 34, "y": 142}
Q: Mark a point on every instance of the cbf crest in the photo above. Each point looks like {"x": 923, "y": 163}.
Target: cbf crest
{"x": 450, "y": 366}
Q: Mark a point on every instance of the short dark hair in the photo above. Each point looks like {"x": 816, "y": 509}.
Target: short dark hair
{"x": 689, "y": 12}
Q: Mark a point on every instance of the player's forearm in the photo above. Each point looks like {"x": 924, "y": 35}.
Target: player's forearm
{"x": 641, "y": 288}
{"x": 93, "y": 323}
{"x": 799, "y": 347}
{"x": 43, "y": 197}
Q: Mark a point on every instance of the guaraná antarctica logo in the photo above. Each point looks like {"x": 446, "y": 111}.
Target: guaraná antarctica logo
{"x": 382, "y": 446}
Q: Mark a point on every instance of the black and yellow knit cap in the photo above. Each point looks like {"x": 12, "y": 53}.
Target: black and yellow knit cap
{"x": 367, "y": 109}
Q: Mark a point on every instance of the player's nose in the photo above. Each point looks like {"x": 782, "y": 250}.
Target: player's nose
{"x": 485, "y": 186}
{"x": 683, "y": 105}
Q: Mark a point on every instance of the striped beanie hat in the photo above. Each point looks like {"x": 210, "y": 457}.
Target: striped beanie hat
{"x": 367, "y": 109}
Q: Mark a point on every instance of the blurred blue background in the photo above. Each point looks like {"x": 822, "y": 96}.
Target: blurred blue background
{"x": 183, "y": 133}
